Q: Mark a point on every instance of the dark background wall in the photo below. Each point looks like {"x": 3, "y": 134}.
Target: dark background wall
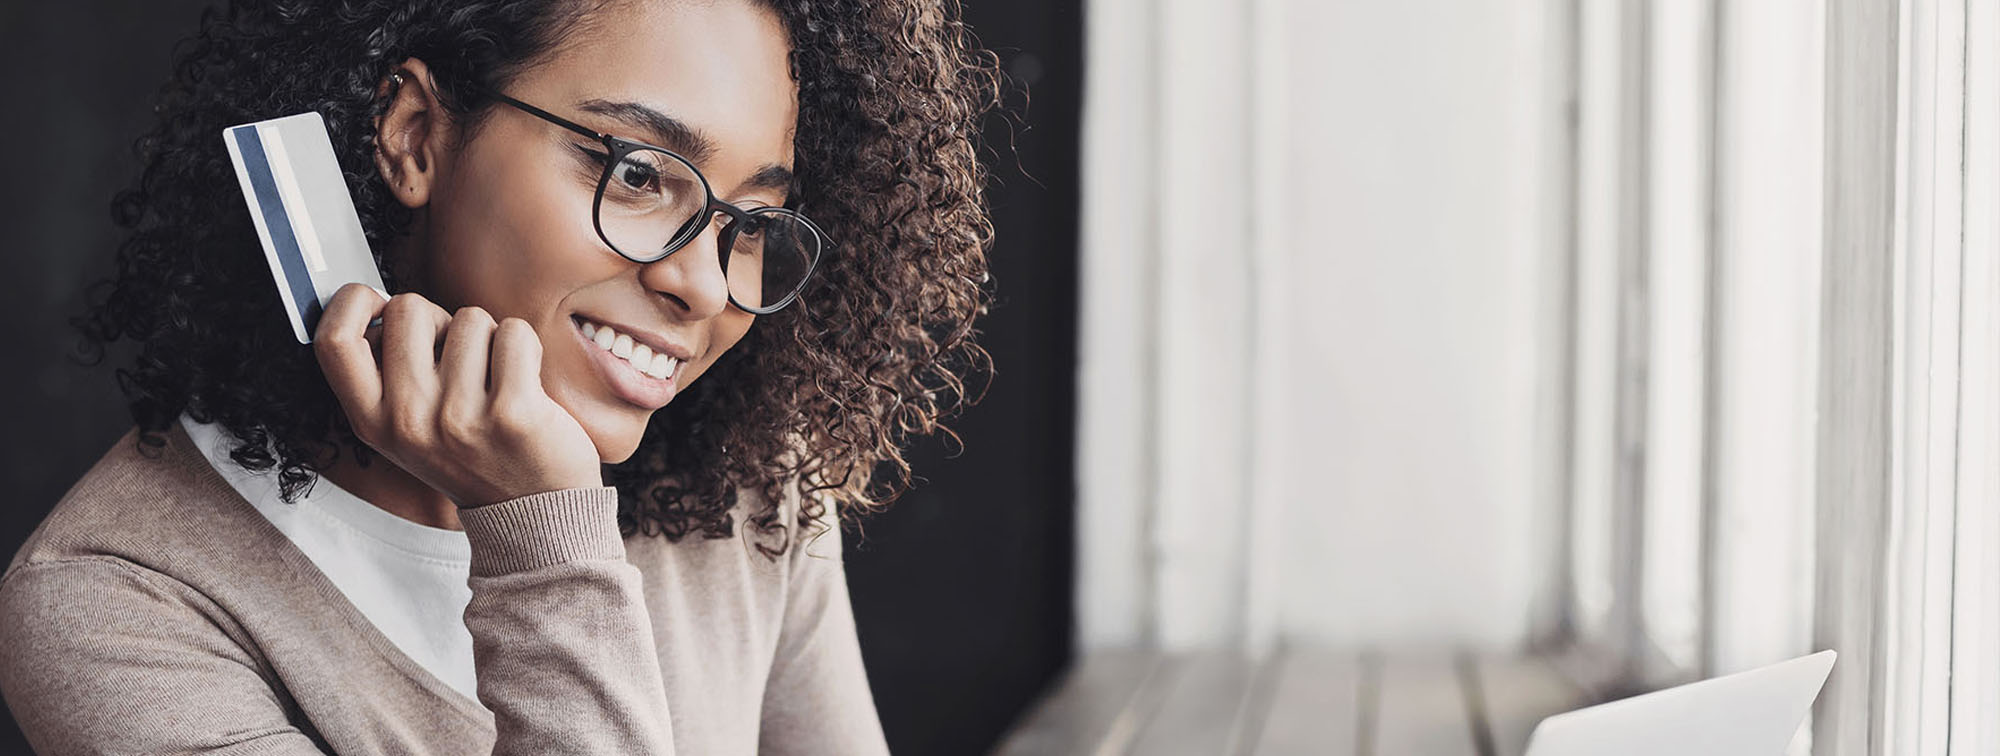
{"x": 962, "y": 590}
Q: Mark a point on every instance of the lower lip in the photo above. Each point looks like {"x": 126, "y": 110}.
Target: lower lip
{"x": 626, "y": 381}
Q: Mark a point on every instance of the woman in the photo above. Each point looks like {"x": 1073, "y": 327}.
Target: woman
{"x": 672, "y": 280}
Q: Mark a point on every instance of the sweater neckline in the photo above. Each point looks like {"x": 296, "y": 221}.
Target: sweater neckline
{"x": 372, "y": 522}
{"x": 179, "y": 443}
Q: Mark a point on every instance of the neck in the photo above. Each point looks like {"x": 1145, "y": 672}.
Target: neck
{"x": 395, "y": 491}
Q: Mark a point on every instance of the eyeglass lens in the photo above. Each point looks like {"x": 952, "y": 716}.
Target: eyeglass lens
{"x": 650, "y": 201}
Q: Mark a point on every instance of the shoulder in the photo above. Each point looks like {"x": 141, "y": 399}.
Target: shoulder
{"x": 56, "y": 602}
{"x": 90, "y": 637}
{"x": 91, "y": 624}
{"x": 153, "y": 506}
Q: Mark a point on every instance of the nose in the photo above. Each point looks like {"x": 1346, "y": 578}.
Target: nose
{"x": 692, "y": 275}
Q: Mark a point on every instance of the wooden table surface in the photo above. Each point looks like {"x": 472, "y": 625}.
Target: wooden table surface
{"x": 1297, "y": 701}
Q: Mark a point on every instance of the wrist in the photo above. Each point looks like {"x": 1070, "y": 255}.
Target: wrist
{"x": 545, "y": 528}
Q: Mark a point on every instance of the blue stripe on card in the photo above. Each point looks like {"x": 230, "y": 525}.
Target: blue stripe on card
{"x": 278, "y": 223}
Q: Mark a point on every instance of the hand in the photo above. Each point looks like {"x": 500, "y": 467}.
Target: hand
{"x": 472, "y": 420}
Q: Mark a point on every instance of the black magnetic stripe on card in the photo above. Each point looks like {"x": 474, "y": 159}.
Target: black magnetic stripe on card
{"x": 258, "y": 166}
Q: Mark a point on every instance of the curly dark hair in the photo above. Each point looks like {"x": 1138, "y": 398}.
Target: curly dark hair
{"x": 818, "y": 397}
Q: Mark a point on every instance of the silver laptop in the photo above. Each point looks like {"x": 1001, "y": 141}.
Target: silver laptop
{"x": 1752, "y": 713}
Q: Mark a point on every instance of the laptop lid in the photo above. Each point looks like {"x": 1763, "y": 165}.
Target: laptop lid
{"x": 1750, "y": 713}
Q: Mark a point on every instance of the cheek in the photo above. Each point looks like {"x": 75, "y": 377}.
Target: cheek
{"x": 508, "y": 235}
{"x": 724, "y": 332}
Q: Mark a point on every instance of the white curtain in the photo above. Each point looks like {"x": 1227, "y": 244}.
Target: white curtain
{"x": 1788, "y": 439}
{"x": 1317, "y": 390}
{"x": 1660, "y": 332}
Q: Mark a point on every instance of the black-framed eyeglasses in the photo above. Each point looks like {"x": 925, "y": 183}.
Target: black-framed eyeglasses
{"x": 651, "y": 201}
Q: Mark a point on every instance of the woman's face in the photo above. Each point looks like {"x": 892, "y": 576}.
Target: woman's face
{"x": 505, "y": 220}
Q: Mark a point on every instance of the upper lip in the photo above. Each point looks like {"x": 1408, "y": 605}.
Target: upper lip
{"x": 653, "y": 340}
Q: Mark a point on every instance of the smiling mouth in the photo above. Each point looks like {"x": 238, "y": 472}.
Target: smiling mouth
{"x": 639, "y": 356}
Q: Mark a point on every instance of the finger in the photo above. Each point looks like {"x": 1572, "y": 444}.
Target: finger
{"x": 517, "y": 362}
{"x": 462, "y": 370}
{"x": 411, "y": 326}
{"x": 345, "y": 355}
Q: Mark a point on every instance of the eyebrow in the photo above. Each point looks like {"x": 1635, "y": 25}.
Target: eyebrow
{"x": 677, "y": 135}
{"x": 774, "y": 177}
{"x": 671, "y": 132}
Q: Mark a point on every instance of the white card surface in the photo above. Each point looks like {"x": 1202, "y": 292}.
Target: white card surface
{"x": 304, "y": 215}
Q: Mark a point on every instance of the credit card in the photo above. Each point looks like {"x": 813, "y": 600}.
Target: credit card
{"x": 304, "y": 215}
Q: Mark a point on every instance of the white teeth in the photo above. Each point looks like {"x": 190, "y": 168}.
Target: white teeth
{"x": 639, "y": 356}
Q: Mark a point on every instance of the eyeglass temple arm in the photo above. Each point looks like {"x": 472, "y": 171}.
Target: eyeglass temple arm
{"x": 546, "y": 115}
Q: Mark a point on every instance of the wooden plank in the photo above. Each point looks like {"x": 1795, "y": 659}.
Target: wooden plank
{"x": 1516, "y": 693}
{"x": 1202, "y": 707}
{"x": 1423, "y": 709}
{"x": 1316, "y": 703}
{"x": 1097, "y": 701}
{"x": 1305, "y": 701}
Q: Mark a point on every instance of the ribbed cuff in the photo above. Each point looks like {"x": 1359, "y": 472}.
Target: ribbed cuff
{"x": 542, "y": 529}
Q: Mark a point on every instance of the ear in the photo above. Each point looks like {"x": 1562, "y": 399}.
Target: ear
{"x": 411, "y": 135}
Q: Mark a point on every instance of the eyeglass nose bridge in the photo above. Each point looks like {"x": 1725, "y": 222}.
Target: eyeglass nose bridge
{"x": 694, "y": 227}
{"x": 738, "y": 217}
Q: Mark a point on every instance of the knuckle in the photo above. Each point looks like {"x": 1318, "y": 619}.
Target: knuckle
{"x": 458, "y": 427}
{"x": 409, "y": 428}
{"x": 510, "y": 415}
{"x": 473, "y": 316}
{"x": 518, "y": 332}
{"x": 405, "y": 305}
{"x": 351, "y": 290}
{"x": 338, "y": 363}
{"x": 365, "y": 433}
{"x": 325, "y": 348}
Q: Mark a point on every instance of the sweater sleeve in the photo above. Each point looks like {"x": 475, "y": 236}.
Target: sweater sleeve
{"x": 818, "y": 699}
{"x": 102, "y": 656}
{"x": 561, "y": 640}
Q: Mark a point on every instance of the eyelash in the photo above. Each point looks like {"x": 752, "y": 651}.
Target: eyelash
{"x": 600, "y": 158}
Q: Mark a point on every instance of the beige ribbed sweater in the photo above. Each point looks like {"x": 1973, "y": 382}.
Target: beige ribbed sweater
{"x": 155, "y": 611}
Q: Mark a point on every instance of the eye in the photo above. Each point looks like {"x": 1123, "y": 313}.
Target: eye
{"x": 630, "y": 171}
{"x": 634, "y": 176}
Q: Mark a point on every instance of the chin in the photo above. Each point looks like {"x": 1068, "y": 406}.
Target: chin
{"x": 615, "y": 431}
{"x": 617, "y": 442}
